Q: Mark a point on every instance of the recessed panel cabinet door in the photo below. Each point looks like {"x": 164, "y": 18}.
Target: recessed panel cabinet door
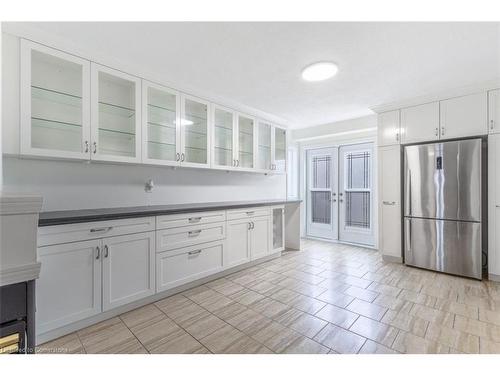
{"x": 279, "y": 150}
{"x": 195, "y": 132}
{"x": 224, "y": 152}
{"x": 420, "y": 123}
{"x": 388, "y": 128}
{"x": 260, "y": 237}
{"x": 128, "y": 269}
{"x": 55, "y": 103}
{"x": 69, "y": 287}
{"x": 464, "y": 116}
{"x": 247, "y": 142}
{"x": 390, "y": 201}
{"x": 238, "y": 243}
{"x": 264, "y": 155}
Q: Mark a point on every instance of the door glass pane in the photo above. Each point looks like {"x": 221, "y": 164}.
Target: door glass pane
{"x": 161, "y": 125}
{"x": 321, "y": 210}
{"x": 56, "y": 103}
{"x": 264, "y": 146}
{"x": 223, "y": 137}
{"x": 116, "y": 116}
{"x": 277, "y": 228}
{"x": 357, "y": 213}
{"x": 321, "y": 166}
{"x": 245, "y": 136}
{"x": 358, "y": 170}
{"x": 194, "y": 125}
{"x": 280, "y": 148}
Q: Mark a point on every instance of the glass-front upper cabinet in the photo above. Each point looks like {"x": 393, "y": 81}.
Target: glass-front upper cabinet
{"x": 264, "y": 146}
{"x": 160, "y": 125}
{"x": 55, "y": 103}
{"x": 224, "y": 138}
{"x": 246, "y": 142}
{"x": 195, "y": 130}
{"x": 279, "y": 150}
{"x": 116, "y": 115}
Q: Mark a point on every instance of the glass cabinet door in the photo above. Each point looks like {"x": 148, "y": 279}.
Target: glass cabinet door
{"x": 223, "y": 128}
{"x": 194, "y": 131}
{"x": 278, "y": 228}
{"x": 279, "y": 159}
{"x": 116, "y": 115}
{"x": 264, "y": 146}
{"x": 161, "y": 143}
{"x": 55, "y": 110}
{"x": 245, "y": 142}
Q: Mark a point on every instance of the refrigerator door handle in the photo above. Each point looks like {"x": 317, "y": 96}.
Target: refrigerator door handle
{"x": 408, "y": 235}
{"x": 407, "y": 200}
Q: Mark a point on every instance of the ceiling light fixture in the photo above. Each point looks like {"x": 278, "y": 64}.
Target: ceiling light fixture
{"x": 319, "y": 71}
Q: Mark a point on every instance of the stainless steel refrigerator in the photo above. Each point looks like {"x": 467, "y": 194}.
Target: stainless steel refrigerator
{"x": 442, "y": 207}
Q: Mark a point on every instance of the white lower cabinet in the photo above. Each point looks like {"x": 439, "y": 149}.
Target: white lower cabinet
{"x": 69, "y": 287}
{"x": 260, "y": 237}
{"x": 390, "y": 202}
{"x": 128, "y": 269}
{"x": 238, "y": 242}
{"x": 177, "y": 267}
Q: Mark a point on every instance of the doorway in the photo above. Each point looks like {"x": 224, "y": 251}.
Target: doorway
{"x": 339, "y": 190}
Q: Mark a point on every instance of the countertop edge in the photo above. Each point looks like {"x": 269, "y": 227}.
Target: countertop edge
{"x": 68, "y": 218}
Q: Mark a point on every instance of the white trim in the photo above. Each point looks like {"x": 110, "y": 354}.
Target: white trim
{"x": 19, "y": 274}
{"x": 334, "y": 135}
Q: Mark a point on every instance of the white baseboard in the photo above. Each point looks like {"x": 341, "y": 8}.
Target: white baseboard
{"x": 493, "y": 277}
{"x": 59, "y": 332}
{"x": 392, "y": 259}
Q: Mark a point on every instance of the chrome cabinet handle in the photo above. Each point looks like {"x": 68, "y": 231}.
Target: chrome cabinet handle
{"x": 86, "y": 146}
{"x": 182, "y": 157}
{"x": 436, "y": 132}
{"x": 341, "y": 200}
{"x": 194, "y": 219}
{"x": 250, "y": 213}
{"x": 334, "y": 200}
{"x": 397, "y": 137}
{"x": 237, "y": 162}
{"x": 194, "y": 252}
{"x": 194, "y": 232}
{"x": 253, "y": 225}
{"x": 442, "y": 130}
{"x": 249, "y": 225}
{"x": 106, "y": 251}
{"x": 98, "y": 250}
{"x": 177, "y": 156}
{"x": 98, "y": 230}
{"x": 387, "y": 203}
{"x": 95, "y": 147}
{"x": 491, "y": 124}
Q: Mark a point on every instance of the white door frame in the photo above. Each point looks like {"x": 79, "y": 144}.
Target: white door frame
{"x": 352, "y": 233}
{"x": 327, "y": 231}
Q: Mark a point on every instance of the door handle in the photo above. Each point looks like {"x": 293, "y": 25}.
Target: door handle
{"x": 182, "y": 157}
{"x": 194, "y": 219}
{"x": 442, "y": 130}
{"x": 177, "y": 156}
{"x": 492, "y": 124}
{"x": 387, "y": 203}
{"x": 194, "y": 232}
{"x": 194, "y": 252}
{"x": 249, "y": 225}
{"x": 106, "y": 251}
{"x": 98, "y": 251}
{"x": 87, "y": 146}
{"x": 436, "y": 132}
{"x": 95, "y": 147}
{"x": 408, "y": 237}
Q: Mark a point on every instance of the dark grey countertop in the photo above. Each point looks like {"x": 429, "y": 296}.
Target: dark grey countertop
{"x": 99, "y": 214}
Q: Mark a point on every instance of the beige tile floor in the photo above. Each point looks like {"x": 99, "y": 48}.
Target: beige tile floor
{"x": 327, "y": 298}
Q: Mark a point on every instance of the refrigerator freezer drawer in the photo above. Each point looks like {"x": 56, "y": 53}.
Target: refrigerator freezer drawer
{"x": 443, "y": 245}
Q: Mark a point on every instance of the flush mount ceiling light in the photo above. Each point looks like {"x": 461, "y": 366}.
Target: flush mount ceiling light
{"x": 319, "y": 71}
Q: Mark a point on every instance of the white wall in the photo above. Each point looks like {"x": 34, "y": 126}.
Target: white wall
{"x": 73, "y": 185}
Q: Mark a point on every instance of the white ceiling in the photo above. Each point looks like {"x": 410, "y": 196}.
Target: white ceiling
{"x": 259, "y": 64}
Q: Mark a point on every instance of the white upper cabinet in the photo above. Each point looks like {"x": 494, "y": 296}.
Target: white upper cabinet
{"x": 420, "y": 123}
{"x": 161, "y": 136}
{"x": 116, "y": 115}
{"x": 55, "y": 103}
{"x": 247, "y": 142}
{"x": 389, "y": 128}
{"x": 264, "y": 149}
{"x": 195, "y": 130}
{"x": 464, "y": 116}
{"x": 224, "y": 151}
{"x": 494, "y": 111}
{"x": 279, "y": 150}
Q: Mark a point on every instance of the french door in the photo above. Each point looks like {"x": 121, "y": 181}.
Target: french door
{"x": 339, "y": 193}
{"x": 356, "y": 194}
{"x": 322, "y": 192}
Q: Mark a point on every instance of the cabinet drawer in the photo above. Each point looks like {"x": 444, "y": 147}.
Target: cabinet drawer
{"x": 194, "y": 218}
{"x": 58, "y": 234}
{"x": 181, "y": 266}
{"x": 248, "y": 212}
{"x": 174, "y": 238}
